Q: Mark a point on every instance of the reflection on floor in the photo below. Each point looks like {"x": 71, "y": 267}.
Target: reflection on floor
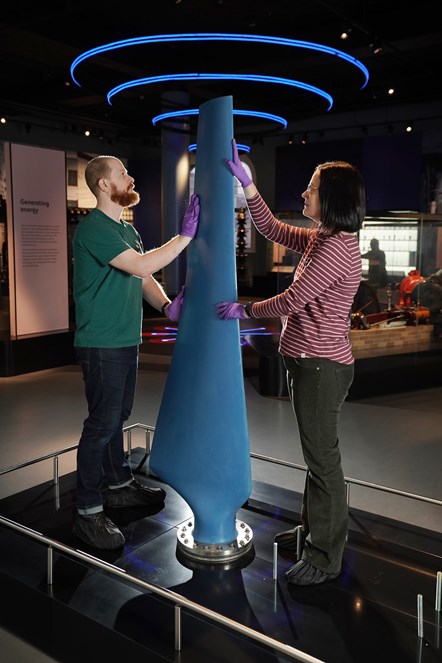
{"x": 368, "y": 614}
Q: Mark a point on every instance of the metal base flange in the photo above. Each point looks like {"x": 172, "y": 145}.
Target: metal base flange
{"x": 214, "y": 552}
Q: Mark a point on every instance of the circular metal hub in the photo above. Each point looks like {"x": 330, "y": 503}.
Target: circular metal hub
{"x": 214, "y": 552}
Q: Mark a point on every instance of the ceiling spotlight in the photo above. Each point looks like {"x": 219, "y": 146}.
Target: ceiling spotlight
{"x": 391, "y": 91}
{"x": 345, "y": 33}
{"x": 290, "y": 141}
{"x": 3, "y": 120}
{"x": 409, "y": 128}
{"x": 376, "y": 46}
{"x": 304, "y": 139}
{"x": 87, "y": 132}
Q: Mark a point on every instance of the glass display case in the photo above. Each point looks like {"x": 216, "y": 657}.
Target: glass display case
{"x": 397, "y": 241}
{"x": 411, "y": 242}
{"x": 396, "y": 327}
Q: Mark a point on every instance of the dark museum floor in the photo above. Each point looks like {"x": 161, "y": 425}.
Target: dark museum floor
{"x": 368, "y": 614}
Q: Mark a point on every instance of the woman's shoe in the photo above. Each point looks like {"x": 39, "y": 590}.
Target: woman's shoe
{"x": 303, "y": 573}
{"x": 288, "y": 540}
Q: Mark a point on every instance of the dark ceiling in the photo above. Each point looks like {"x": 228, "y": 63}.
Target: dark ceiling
{"x": 40, "y": 40}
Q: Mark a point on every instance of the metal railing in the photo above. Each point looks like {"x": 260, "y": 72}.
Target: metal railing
{"x": 150, "y": 430}
{"x": 177, "y": 599}
{"x": 174, "y": 598}
{"x": 350, "y": 480}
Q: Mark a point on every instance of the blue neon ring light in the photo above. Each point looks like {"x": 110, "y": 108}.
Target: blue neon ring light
{"x": 214, "y": 36}
{"x": 241, "y": 147}
{"x": 208, "y": 76}
{"x": 195, "y": 111}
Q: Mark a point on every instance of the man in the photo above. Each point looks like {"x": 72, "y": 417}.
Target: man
{"x": 377, "y": 272}
{"x": 112, "y": 274}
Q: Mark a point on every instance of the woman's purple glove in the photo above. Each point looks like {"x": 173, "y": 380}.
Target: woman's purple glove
{"x": 237, "y": 168}
{"x": 229, "y": 310}
{"x": 173, "y": 311}
{"x": 191, "y": 217}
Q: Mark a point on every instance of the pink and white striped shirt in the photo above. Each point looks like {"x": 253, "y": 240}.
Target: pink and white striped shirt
{"x": 315, "y": 309}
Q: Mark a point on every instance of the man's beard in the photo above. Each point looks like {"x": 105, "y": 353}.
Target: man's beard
{"x": 124, "y": 198}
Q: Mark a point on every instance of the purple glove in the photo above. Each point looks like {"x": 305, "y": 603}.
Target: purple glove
{"x": 173, "y": 311}
{"x": 191, "y": 217}
{"x": 237, "y": 168}
{"x": 229, "y": 310}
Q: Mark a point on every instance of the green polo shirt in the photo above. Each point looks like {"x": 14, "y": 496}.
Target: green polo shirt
{"x": 108, "y": 301}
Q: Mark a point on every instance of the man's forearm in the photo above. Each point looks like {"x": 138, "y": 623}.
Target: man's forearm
{"x": 153, "y": 293}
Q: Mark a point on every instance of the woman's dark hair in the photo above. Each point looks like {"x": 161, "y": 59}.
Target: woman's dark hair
{"x": 341, "y": 196}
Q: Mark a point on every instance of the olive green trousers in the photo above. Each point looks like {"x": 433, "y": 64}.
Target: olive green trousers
{"x": 317, "y": 389}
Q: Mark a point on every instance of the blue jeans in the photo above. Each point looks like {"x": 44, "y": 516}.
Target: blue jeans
{"x": 109, "y": 376}
{"x": 318, "y": 389}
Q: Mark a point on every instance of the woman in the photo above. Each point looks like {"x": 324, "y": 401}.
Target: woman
{"x": 315, "y": 346}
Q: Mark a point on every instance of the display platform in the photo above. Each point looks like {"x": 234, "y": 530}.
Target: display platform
{"x": 367, "y": 614}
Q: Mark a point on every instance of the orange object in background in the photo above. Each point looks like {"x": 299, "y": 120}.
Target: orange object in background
{"x": 406, "y": 287}
{"x": 417, "y": 314}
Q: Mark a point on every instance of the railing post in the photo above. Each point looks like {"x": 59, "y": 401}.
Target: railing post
{"x": 177, "y": 628}
{"x": 420, "y": 619}
{"x": 50, "y": 564}
{"x": 149, "y": 437}
{"x": 55, "y": 465}
{"x": 275, "y": 561}
{"x": 298, "y": 542}
{"x": 438, "y": 591}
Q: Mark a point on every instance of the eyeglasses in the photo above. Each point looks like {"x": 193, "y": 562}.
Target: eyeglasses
{"x": 311, "y": 187}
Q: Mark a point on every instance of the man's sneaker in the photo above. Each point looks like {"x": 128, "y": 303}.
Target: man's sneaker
{"x": 98, "y": 531}
{"x": 135, "y": 494}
